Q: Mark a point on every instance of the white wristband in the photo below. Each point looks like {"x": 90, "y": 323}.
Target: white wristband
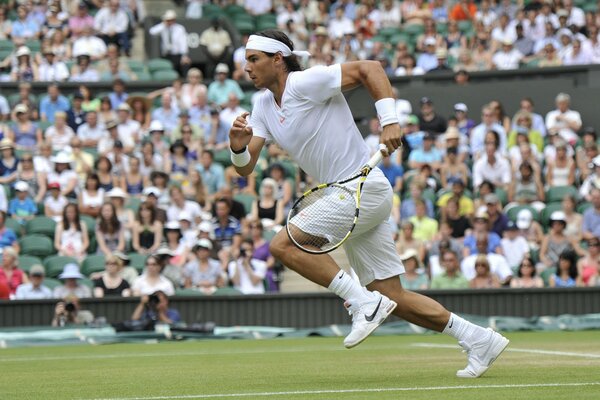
{"x": 386, "y": 111}
{"x": 242, "y": 159}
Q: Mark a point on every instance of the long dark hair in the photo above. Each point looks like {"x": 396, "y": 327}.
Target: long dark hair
{"x": 571, "y": 257}
{"x": 111, "y": 225}
{"x": 65, "y": 220}
{"x": 291, "y": 62}
{"x": 146, "y": 206}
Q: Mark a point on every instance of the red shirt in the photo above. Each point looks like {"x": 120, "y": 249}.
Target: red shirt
{"x": 458, "y": 13}
{"x": 15, "y": 280}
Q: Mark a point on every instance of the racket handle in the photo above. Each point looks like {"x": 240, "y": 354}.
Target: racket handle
{"x": 377, "y": 157}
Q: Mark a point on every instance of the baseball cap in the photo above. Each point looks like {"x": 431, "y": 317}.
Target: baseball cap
{"x": 511, "y": 226}
{"x": 429, "y": 136}
{"x": 156, "y": 126}
{"x": 172, "y": 226}
{"x": 151, "y": 190}
{"x": 524, "y": 219}
{"x": 37, "y": 270}
{"x": 185, "y": 216}
{"x": 111, "y": 124}
{"x": 205, "y": 226}
{"x": 441, "y": 53}
{"x": 491, "y": 198}
{"x": 429, "y": 41}
{"x": 222, "y": 68}
{"x": 409, "y": 253}
{"x": 456, "y": 181}
{"x": 21, "y": 186}
{"x": 461, "y": 107}
{"x": 412, "y": 120}
{"x": 482, "y": 215}
{"x": 425, "y": 100}
{"x": 452, "y": 133}
{"x": 21, "y": 108}
{"x": 558, "y": 216}
{"x": 203, "y": 244}
{"x": 54, "y": 185}
{"x": 124, "y": 107}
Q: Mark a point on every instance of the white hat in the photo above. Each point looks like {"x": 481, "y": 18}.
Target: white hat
{"x": 558, "y": 216}
{"x": 595, "y": 162}
{"x": 203, "y": 243}
{"x": 507, "y": 42}
{"x": 116, "y": 192}
{"x": 205, "y": 226}
{"x": 172, "y": 225}
{"x": 21, "y": 186}
{"x": 21, "y": 108}
{"x": 71, "y": 271}
{"x": 124, "y": 107}
{"x": 169, "y": 15}
{"x": 164, "y": 250}
{"x": 410, "y": 253}
{"x": 524, "y": 219}
{"x": 562, "y": 13}
{"x": 185, "y": 216}
{"x": 441, "y": 53}
{"x": 151, "y": 190}
{"x": 429, "y": 41}
{"x": 23, "y": 51}
{"x": 62, "y": 158}
{"x": 222, "y": 68}
{"x": 461, "y": 107}
{"x": 156, "y": 126}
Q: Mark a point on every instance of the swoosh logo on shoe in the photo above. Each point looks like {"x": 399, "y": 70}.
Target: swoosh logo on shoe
{"x": 369, "y": 318}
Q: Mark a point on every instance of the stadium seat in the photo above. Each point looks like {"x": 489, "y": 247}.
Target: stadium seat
{"x": 188, "y": 292}
{"x": 137, "y": 261}
{"x": 87, "y": 282}
{"x": 90, "y": 222}
{"x": 246, "y": 200}
{"x": 227, "y": 291}
{"x": 223, "y": 157}
{"x": 93, "y": 243}
{"x": 34, "y": 46}
{"x": 159, "y": 64}
{"x": 144, "y": 76}
{"x": 414, "y": 30}
{"x": 583, "y": 206}
{"x": 51, "y": 283}
{"x": 244, "y": 26}
{"x": 546, "y": 274}
{"x": 399, "y": 38}
{"x": 41, "y": 225}
{"x": 165, "y": 75}
{"x": 210, "y": 10}
{"x": 6, "y": 44}
{"x": 15, "y": 226}
{"x": 558, "y": 193}
{"x": 26, "y": 262}
{"x": 512, "y": 212}
{"x": 441, "y": 28}
{"x": 43, "y": 125}
{"x": 94, "y": 263}
{"x": 37, "y": 245}
{"x": 233, "y": 10}
{"x": 548, "y": 210}
{"x": 136, "y": 65}
{"x": 268, "y": 235}
{"x": 266, "y": 21}
{"x": 133, "y": 204}
{"x": 54, "y": 264}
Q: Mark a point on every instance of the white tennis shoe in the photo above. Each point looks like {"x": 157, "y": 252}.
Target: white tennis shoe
{"x": 367, "y": 317}
{"x": 482, "y": 355}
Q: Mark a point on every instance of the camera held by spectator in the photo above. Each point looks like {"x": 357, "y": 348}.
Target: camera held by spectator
{"x": 69, "y": 312}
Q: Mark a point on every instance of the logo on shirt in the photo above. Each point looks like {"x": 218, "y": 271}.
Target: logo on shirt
{"x": 281, "y": 119}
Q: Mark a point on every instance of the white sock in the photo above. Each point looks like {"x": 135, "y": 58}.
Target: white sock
{"x": 463, "y": 330}
{"x": 348, "y": 289}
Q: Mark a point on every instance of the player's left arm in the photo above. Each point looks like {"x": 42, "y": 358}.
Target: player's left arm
{"x": 371, "y": 75}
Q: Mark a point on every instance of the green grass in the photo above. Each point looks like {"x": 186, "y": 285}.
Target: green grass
{"x": 189, "y": 370}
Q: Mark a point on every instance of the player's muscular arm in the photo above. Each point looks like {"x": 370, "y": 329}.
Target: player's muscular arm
{"x": 240, "y": 136}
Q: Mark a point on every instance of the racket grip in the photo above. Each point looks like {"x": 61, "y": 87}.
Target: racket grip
{"x": 377, "y": 157}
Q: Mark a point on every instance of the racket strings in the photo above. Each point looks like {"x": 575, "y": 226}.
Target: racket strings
{"x": 321, "y": 220}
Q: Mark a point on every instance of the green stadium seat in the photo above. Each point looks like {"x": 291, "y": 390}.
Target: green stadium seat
{"x": 388, "y": 32}
{"x": 136, "y": 65}
{"x": 26, "y": 262}
{"x": 90, "y": 222}
{"x": 558, "y": 193}
{"x": 513, "y": 211}
{"x": 34, "y": 46}
{"x": 246, "y": 200}
{"x": 159, "y": 64}
{"x": 548, "y": 210}
{"x": 93, "y": 263}
{"x": 268, "y": 235}
{"x": 6, "y": 44}
{"x": 51, "y": 283}
{"x": 137, "y": 261}
{"x": 211, "y": 10}
{"x": 399, "y": 38}
{"x": 244, "y": 26}
{"x": 133, "y": 204}
{"x": 583, "y": 206}
{"x": 165, "y": 75}
{"x": 41, "y": 225}
{"x": 441, "y": 28}
{"x": 264, "y": 25}
{"x": 502, "y": 196}
{"x": 223, "y": 157}
{"x": 546, "y": 274}
{"x": 37, "y": 245}
{"x": 227, "y": 291}
{"x": 414, "y": 30}
{"x": 54, "y": 265}
{"x": 233, "y": 10}
{"x": 15, "y": 226}
{"x": 188, "y": 292}
{"x": 43, "y": 125}
{"x": 143, "y": 76}
{"x": 465, "y": 26}
{"x": 87, "y": 282}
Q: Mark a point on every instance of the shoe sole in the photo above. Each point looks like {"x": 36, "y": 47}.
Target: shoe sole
{"x": 499, "y": 349}
{"x": 388, "y": 310}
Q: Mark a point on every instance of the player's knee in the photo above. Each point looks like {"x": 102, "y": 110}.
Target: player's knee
{"x": 280, "y": 245}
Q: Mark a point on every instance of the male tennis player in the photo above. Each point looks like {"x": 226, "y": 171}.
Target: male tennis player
{"x": 306, "y": 113}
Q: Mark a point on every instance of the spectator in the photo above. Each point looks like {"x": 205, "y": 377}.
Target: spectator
{"x": 566, "y": 273}
{"x": 203, "y": 273}
{"x": 5, "y": 24}
{"x": 81, "y": 20}
{"x": 152, "y": 279}
{"x": 451, "y": 278}
{"x": 226, "y": 118}
{"x": 247, "y": 273}
{"x": 55, "y": 203}
{"x": 212, "y": 173}
{"x": 497, "y": 218}
{"x": 284, "y": 187}
{"x": 526, "y": 276}
{"x": 481, "y": 227}
{"x": 166, "y": 114}
{"x": 177, "y": 251}
{"x": 561, "y": 170}
{"x": 140, "y": 111}
{"x": 89, "y": 44}
{"x": 591, "y": 216}
{"x": 174, "y": 46}
{"x": 88, "y": 101}
{"x": 428, "y": 154}
{"x": 53, "y": 102}
{"x": 91, "y": 132}
{"x": 267, "y": 206}
{"x": 564, "y": 120}
{"x": 112, "y": 22}
{"x": 117, "y": 197}
{"x": 107, "y": 144}
{"x": 193, "y": 88}
{"x": 76, "y": 115}
{"x": 429, "y": 120}
{"x": 118, "y": 97}
{"x": 227, "y": 229}
{"x": 71, "y": 235}
{"x": 523, "y": 125}
{"x": 393, "y": 173}
{"x": 68, "y": 312}
{"x": 179, "y": 204}
{"x": 91, "y": 196}
{"x": 83, "y": 161}
{"x": 25, "y": 133}
{"x": 217, "y": 43}
{"x": 51, "y": 69}
{"x": 83, "y": 71}
{"x": 465, "y": 204}
{"x": 24, "y": 28}
{"x": 464, "y": 10}
{"x": 64, "y": 175}
{"x": 479, "y": 132}
{"x": 59, "y": 134}
{"x": 8, "y": 161}
{"x": 441, "y": 55}
{"x": 413, "y": 278}
{"x": 154, "y": 307}
{"x": 497, "y": 263}
{"x": 407, "y": 207}
{"x": 221, "y": 87}
{"x": 151, "y": 195}
{"x": 35, "y": 289}
{"x": 556, "y": 242}
{"x": 25, "y": 70}
{"x": 514, "y": 246}
{"x": 60, "y": 46}
{"x": 586, "y": 152}
{"x": 574, "y": 219}
{"x": 492, "y": 165}
{"x": 585, "y": 191}
{"x": 507, "y": 57}
{"x": 425, "y": 227}
{"x": 10, "y": 273}
{"x": 35, "y": 180}
{"x": 110, "y": 234}
{"x": 526, "y": 188}
{"x": 459, "y": 224}
{"x": 22, "y": 207}
{"x": 147, "y": 232}
{"x": 484, "y": 278}
{"x": 111, "y": 283}
{"x": 72, "y": 285}
{"x": 428, "y": 60}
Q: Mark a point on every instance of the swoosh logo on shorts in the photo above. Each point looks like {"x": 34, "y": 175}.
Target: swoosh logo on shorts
{"x": 369, "y": 318}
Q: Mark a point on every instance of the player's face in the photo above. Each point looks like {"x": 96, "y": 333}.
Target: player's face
{"x": 259, "y": 67}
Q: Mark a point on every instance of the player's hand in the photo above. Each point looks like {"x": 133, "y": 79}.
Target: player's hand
{"x": 240, "y": 133}
{"x": 391, "y": 137}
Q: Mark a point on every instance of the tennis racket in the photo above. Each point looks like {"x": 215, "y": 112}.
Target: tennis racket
{"x": 324, "y": 217}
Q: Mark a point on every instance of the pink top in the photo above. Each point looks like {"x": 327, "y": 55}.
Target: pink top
{"x": 15, "y": 280}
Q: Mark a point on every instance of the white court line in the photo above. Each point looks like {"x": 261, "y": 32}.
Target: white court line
{"x": 514, "y": 350}
{"x": 374, "y": 390}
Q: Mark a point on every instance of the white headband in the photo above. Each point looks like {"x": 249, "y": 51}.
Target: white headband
{"x": 273, "y": 46}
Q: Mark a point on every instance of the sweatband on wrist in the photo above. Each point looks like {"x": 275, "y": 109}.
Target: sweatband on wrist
{"x": 240, "y": 159}
{"x": 386, "y": 111}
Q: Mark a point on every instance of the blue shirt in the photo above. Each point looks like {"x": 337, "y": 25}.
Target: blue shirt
{"x": 591, "y": 221}
{"x": 116, "y": 100}
{"x": 24, "y": 29}
{"x": 415, "y": 139}
{"x": 49, "y": 107}
{"x": 218, "y": 92}
{"x": 392, "y": 172}
{"x": 213, "y": 178}
{"x": 23, "y": 208}
{"x": 224, "y": 234}
{"x": 420, "y": 155}
{"x": 171, "y": 313}
{"x": 7, "y": 238}
{"x": 427, "y": 61}
{"x": 407, "y": 209}
{"x": 493, "y": 243}
{"x": 169, "y": 119}
{"x": 201, "y": 117}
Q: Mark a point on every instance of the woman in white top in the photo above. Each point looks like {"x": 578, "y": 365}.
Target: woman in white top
{"x": 64, "y": 175}
{"x": 561, "y": 170}
{"x": 71, "y": 234}
{"x": 91, "y": 197}
{"x": 152, "y": 280}
{"x": 59, "y": 134}
{"x": 192, "y": 88}
{"x": 126, "y": 217}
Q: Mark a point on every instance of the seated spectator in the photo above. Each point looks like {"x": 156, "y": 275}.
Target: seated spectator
{"x": 393, "y": 173}
{"x": 80, "y": 20}
{"x": 466, "y": 207}
{"x": 492, "y": 166}
{"x": 112, "y": 22}
{"x": 52, "y": 103}
{"x": 221, "y": 87}
{"x": 561, "y": 169}
{"x": 227, "y": 229}
{"x": 203, "y": 273}
{"x": 68, "y": 312}
{"x": 117, "y": 198}
{"x": 429, "y": 120}
{"x": 497, "y": 219}
{"x": 588, "y": 266}
{"x": 574, "y": 219}
{"x": 408, "y": 206}
{"x": 514, "y": 246}
{"x": 458, "y": 224}
{"x": 110, "y": 233}
{"x": 428, "y": 154}
{"x": 481, "y": 227}
{"x": 451, "y": 278}
{"x": 116, "y": 71}
{"x": 22, "y": 207}
{"x": 111, "y": 283}
{"x": 83, "y": 71}
{"x": 497, "y": 263}
{"x": 71, "y": 235}
{"x": 526, "y": 188}
{"x": 25, "y": 27}
{"x": 51, "y": 69}
{"x": 71, "y": 285}
{"x": 523, "y": 125}
{"x": 555, "y": 242}
{"x": 10, "y": 273}
{"x": 42, "y": 162}
{"x": 189, "y": 233}
{"x": 193, "y": 88}
{"x": 35, "y": 180}
{"x": 177, "y": 248}
{"x": 132, "y": 182}
{"x": 479, "y": 133}
{"x": 91, "y": 132}
{"x": 528, "y": 228}
{"x": 195, "y": 190}
{"x": 91, "y": 196}
{"x": 453, "y": 169}
{"x": 194, "y": 146}
{"x": 140, "y": 111}
{"x": 566, "y": 271}
{"x": 117, "y": 97}
{"x": 64, "y": 175}
{"x": 484, "y": 278}
{"x": 555, "y": 141}
{"x": 284, "y": 187}
{"x": 178, "y": 163}
{"x": 526, "y": 276}
{"x": 154, "y": 307}
{"x": 247, "y": 273}
{"x": 166, "y": 114}
{"x": 59, "y": 134}
{"x": 76, "y": 115}
{"x": 35, "y": 289}
{"x": 564, "y": 120}
{"x": 152, "y": 280}
{"x": 412, "y": 278}
{"x": 507, "y": 57}
{"x": 55, "y": 203}
{"x": 427, "y": 60}
{"x": 24, "y": 132}
{"x": 230, "y": 111}
{"x": 9, "y": 163}
{"x": 147, "y": 232}
{"x": 179, "y": 204}
{"x": 60, "y": 46}
{"x": 425, "y": 227}
{"x": 267, "y": 206}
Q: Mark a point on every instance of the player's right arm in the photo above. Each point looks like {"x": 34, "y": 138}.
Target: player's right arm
{"x": 240, "y": 138}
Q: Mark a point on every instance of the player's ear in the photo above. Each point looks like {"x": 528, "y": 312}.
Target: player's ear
{"x": 278, "y": 59}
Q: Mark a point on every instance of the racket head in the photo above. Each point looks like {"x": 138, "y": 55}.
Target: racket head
{"x": 322, "y": 219}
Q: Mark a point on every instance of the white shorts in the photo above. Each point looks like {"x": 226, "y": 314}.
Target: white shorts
{"x": 370, "y": 248}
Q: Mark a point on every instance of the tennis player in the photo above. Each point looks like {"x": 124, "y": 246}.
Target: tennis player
{"x": 306, "y": 114}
